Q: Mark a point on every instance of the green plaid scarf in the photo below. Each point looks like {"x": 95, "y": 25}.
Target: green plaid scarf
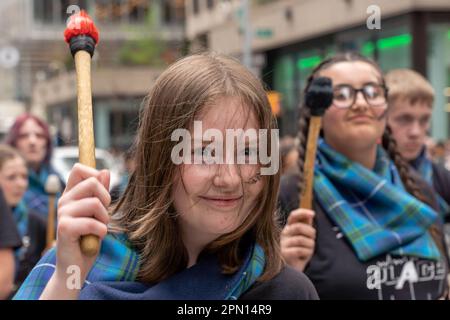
{"x": 372, "y": 208}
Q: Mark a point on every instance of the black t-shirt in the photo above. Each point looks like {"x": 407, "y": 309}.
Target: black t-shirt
{"x": 337, "y": 273}
{"x": 9, "y": 236}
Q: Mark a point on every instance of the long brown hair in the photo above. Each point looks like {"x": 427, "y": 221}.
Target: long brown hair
{"x": 388, "y": 142}
{"x": 145, "y": 212}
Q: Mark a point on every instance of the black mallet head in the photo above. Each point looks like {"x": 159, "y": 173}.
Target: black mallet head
{"x": 319, "y": 96}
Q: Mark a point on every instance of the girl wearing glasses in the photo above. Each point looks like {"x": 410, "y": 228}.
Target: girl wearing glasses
{"x": 374, "y": 232}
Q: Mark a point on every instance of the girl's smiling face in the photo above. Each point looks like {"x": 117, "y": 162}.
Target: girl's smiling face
{"x": 215, "y": 199}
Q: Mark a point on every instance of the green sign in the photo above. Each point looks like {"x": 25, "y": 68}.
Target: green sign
{"x": 264, "y": 33}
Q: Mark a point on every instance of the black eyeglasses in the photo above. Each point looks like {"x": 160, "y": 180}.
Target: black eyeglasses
{"x": 344, "y": 95}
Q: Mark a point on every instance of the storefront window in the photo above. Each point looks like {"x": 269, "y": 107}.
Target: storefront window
{"x": 394, "y": 51}
{"x": 284, "y": 79}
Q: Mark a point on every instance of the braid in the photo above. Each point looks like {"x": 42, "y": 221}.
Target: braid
{"x": 303, "y": 127}
{"x": 411, "y": 186}
{"x": 390, "y": 145}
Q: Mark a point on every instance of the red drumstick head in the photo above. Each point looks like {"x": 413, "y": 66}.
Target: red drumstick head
{"x": 81, "y": 33}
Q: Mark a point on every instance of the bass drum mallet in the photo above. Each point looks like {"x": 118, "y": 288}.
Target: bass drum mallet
{"x": 318, "y": 98}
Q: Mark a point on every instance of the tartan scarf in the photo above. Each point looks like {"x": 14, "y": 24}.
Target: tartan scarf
{"x": 203, "y": 281}
{"x": 35, "y": 196}
{"x": 20, "y": 214}
{"x": 372, "y": 208}
{"x": 117, "y": 262}
{"x": 422, "y": 164}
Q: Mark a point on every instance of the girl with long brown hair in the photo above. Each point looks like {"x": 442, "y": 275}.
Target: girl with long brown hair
{"x": 182, "y": 229}
{"x": 374, "y": 232}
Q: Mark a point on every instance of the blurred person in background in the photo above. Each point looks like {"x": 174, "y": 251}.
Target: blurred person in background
{"x": 31, "y": 137}
{"x": 30, "y": 225}
{"x": 410, "y": 99}
{"x": 9, "y": 241}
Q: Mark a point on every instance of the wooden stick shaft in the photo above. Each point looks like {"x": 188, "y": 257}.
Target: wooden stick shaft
{"x": 310, "y": 158}
{"x": 85, "y": 116}
{"x": 50, "y": 221}
{"x": 90, "y": 243}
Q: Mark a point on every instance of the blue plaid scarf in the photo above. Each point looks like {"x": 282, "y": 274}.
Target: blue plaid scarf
{"x": 117, "y": 262}
{"x": 20, "y": 213}
{"x": 424, "y": 166}
{"x": 372, "y": 208}
{"x": 35, "y": 197}
{"x": 203, "y": 281}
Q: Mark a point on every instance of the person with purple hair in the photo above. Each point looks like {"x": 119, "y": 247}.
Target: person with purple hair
{"x": 30, "y": 135}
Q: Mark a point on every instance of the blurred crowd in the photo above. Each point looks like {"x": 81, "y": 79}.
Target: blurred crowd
{"x": 25, "y": 171}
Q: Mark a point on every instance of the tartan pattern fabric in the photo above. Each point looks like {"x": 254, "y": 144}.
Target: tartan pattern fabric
{"x": 253, "y": 269}
{"x": 372, "y": 208}
{"x": 424, "y": 166}
{"x": 20, "y": 214}
{"x": 35, "y": 197}
{"x": 116, "y": 262}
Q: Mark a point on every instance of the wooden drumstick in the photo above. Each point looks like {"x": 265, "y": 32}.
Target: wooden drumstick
{"x": 52, "y": 187}
{"x": 318, "y": 98}
{"x": 82, "y": 36}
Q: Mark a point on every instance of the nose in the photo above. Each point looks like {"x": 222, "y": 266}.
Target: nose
{"x": 360, "y": 101}
{"x": 415, "y": 130}
{"x": 23, "y": 183}
{"x": 227, "y": 177}
{"x": 32, "y": 138}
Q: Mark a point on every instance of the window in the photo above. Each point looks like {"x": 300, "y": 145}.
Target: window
{"x": 196, "y": 6}
{"x": 43, "y": 11}
{"x": 121, "y": 11}
{"x": 55, "y": 11}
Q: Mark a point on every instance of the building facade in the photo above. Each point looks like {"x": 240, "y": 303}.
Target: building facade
{"x": 292, "y": 36}
{"x": 137, "y": 39}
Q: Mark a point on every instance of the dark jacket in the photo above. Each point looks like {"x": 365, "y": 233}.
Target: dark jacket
{"x": 9, "y": 235}
{"x": 441, "y": 183}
